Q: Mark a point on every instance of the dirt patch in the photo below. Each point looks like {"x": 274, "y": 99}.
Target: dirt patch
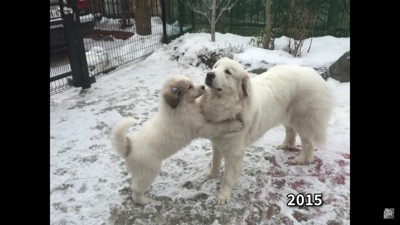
{"x": 97, "y": 34}
{"x": 62, "y": 187}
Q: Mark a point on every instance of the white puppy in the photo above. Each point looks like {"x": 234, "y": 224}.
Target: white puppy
{"x": 292, "y": 95}
{"x": 177, "y": 122}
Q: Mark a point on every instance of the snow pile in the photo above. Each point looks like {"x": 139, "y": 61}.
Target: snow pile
{"x": 324, "y": 50}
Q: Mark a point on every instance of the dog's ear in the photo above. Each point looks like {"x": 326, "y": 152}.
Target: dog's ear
{"x": 246, "y": 85}
{"x": 172, "y": 97}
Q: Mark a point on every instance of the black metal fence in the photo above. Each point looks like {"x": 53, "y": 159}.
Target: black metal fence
{"x": 59, "y": 65}
{"x": 247, "y": 17}
{"x": 112, "y": 35}
{"x": 178, "y": 18}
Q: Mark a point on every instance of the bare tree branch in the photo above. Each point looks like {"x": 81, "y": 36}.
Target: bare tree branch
{"x": 219, "y": 3}
{"x": 208, "y": 4}
{"x": 345, "y": 6}
{"x": 197, "y": 10}
{"x": 212, "y": 8}
{"x": 228, "y": 6}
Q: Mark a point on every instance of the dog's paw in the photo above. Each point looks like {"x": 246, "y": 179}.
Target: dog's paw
{"x": 288, "y": 147}
{"x": 144, "y": 200}
{"x": 223, "y": 199}
{"x": 209, "y": 175}
{"x": 284, "y": 146}
{"x": 141, "y": 199}
{"x": 236, "y": 125}
{"x": 302, "y": 160}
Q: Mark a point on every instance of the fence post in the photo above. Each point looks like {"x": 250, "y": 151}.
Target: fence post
{"x": 164, "y": 23}
{"x": 76, "y": 49}
{"x": 86, "y": 79}
{"x": 181, "y": 16}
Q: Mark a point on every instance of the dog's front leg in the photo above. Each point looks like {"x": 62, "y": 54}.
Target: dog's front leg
{"x": 213, "y": 171}
{"x": 233, "y": 168}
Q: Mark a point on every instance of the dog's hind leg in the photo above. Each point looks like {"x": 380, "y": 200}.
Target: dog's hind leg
{"x": 213, "y": 171}
{"x": 290, "y": 139}
{"x": 306, "y": 155}
{"x": 232, "y": 171}
{"x": 141, "y": 183}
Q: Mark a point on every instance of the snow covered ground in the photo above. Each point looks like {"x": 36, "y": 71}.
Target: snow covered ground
{"x": 90, "y": 184}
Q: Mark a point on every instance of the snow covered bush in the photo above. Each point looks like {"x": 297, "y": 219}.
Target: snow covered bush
{"x": 204, "y": 55}
{"x": 209, "y": 58}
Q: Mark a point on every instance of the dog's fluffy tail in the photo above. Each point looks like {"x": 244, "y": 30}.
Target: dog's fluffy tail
{"x": 119, "y": 139}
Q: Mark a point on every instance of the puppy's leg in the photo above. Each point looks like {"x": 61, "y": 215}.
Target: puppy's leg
{"x": 213, "y": 171}
{"x": 232, "y": 171}
{"x": 141, "y": 181}
{"x": 306, "y": 155}
{"x": 290, "y": 139}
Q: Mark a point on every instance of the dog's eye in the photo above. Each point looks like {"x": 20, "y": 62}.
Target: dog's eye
{"x": 190, "y": 87}
{"x": 227, "y": 72}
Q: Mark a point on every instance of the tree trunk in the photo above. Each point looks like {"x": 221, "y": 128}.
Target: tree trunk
{"x": 267, "y": 32}
{"x": 142, "y": 17}
{"x": 213, "y": 32}
{"x": 126, "y": 14}
{"x": 213, "y": 22}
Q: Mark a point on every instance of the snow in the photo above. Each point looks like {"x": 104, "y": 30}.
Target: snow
{"x": 90, "y": 184}
{"x": 86, "y": 18}
{"x": 174, "y": 28}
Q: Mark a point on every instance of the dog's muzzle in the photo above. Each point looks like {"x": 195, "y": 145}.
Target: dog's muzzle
{"x": 210, "y": 77}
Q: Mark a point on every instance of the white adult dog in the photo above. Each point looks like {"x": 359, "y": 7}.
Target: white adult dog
{"x": 177, "y": 122}
{"x": 292, "y": 95}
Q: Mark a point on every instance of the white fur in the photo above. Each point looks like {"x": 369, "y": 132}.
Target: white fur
{"x": 292, "y": 95}
{"x": 171, "y": 129}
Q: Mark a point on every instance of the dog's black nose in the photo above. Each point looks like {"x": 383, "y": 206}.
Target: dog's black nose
{"x": 203, "y": 87}
{"x": 210, "y": 76}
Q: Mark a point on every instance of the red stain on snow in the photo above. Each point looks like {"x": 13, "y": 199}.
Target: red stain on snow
{"x": 258, "y": 193}
{"x": 317, "y": 170}
{"x": 274, "y": 196}
{"x": 274, "y": 172}
{"x": 330, "y": 201}
{"x": 321, "y": 178}
{"x": 346, "y": 155}
{"x": 279, "y": 183}
{"x": 342, "y": 163}
{"x": 318, "y": 163}
{"x": 275, "y": 163}
{"x": 338, "y": 179}
{"x": 297, "y": 184}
